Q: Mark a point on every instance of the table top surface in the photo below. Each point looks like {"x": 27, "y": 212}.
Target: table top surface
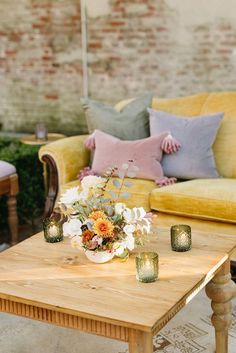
{"x": 59, "y": 277}
{"x": 31, "y": 140}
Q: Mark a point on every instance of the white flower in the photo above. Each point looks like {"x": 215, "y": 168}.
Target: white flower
{"x": 128, "y": 215}
{"x": 134, "y": 214}
{"x": 97, "y": 240}
{"x": 76, "y": 242}
{"x": 70, "y": 196}
{"x": 129, "y": 229}
{"x": 145, "y": 225}
{"x": 127, "y": 243}
{"x": 83, "y": 196}
{"x": 72, "y": 227}
{"x": 119, "y": 208}
{"x": 130, "y": 242}
{"x": 92, "y": 181}
{"x": 139, "y": 212}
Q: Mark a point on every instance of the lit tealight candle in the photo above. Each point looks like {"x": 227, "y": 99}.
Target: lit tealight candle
{"x": 53, "y": 231}
{"x": 147, "y": 267}
{"x": 181, "y": 239}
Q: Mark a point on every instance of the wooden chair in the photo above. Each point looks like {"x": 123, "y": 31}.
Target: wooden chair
{"x": 9, "y": 186}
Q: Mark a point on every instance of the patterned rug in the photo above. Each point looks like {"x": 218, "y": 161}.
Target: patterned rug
{"x": 189, "y": 332}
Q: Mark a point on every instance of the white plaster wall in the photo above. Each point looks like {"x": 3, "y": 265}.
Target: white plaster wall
{"x": 198, "y": 12}
{"x": 191, "y": 12}
{"x": 97, "y": 8}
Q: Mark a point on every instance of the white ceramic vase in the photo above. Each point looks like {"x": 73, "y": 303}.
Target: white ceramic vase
{"x": 99, "y": 257}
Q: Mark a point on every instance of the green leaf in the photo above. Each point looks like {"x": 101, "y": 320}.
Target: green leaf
{"x": 109, "y": 210}
{"x": 104, "y": 200}
{"x": 121, "y": 174}
{"x": 128, "y": 184}
{"x": 134, "y": 168}
{"x": 116, "y": 183}
{"x": 113, "y": 194}
{"x": 138, "y": 213}
{"x": 125, "y": 195}
{"x": 131, "y": 174}
{"x": 125, "y": 166}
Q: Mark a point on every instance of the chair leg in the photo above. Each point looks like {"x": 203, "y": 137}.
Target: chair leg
{"x": 12, "y": 218}
{"x": 12, "y": 210}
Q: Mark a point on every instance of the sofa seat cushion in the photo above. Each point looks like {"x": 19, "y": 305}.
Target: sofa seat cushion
{"x": 213, "y": 199}
{"x": 140, "y": 192}
{"x": 6, "y": 169}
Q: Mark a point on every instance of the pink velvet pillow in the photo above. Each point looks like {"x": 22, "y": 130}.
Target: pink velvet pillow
{"x": 146, "y": 153}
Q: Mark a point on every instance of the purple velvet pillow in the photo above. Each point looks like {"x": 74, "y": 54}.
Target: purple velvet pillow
{"x": 146, "y": 154}
{"x": 196, "y": 135}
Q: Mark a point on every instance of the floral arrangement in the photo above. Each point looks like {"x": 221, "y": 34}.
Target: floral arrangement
{"x": 99, "y": 223}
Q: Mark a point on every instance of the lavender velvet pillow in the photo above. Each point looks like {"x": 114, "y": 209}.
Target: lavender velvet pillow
{"x": 195, "y": 158}
{"x": 146, "y": 153}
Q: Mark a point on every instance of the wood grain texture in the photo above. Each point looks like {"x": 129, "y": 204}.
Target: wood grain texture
{"x": 60, "y": 278}
{"x": 64, "y": 320}
{"x": 221, "y": 290}
{"x": 140, "y": 342}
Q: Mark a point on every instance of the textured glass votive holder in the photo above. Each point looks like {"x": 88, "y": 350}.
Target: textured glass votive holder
{"x": 147, "y": 267}
{"x": 53, "y": 231}
{"x": 41, "y": 132}
{"x": 181, "y": 239}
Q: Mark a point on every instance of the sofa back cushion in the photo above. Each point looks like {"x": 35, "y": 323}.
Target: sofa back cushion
{"x": 202, "y": 104}
{"x": 225, "y": 144}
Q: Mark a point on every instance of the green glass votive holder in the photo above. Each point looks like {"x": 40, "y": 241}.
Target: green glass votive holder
{"x": 53, "y": 231}
{"x": 147, "y": 267}
{"x": 181, "y": 238}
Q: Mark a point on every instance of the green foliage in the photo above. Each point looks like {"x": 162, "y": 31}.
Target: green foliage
{"x": 30, "y": 200}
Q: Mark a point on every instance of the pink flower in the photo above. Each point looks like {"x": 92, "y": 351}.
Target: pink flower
{"x": 85, "y": 172}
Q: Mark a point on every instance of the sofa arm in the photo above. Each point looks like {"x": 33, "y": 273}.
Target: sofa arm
{"x": 64, "y": 159}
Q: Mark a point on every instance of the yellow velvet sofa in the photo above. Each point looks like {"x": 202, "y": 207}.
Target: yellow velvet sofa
{"x": 209, "y": 199}
{"x": 213, "y": 199}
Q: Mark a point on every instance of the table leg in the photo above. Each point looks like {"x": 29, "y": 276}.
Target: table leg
{"x": 221, "y": 290}
{"x": 140, "y": 342}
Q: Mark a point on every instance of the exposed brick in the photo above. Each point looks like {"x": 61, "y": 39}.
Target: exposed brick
{"x": 51, "y": 96}
{"x": 96, "y": 45}
{"x": 117, "y": 23}
{"x": 139, "y": 46}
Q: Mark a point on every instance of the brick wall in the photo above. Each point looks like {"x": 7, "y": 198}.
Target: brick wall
{"x": 40, "y": 64}
{"x": 133, "y": 46}
{"x": 150, "y": 45}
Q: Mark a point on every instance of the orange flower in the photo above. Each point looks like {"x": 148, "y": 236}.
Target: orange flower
{"x": 103, "y": 227}
{"x": 97, "y": 214}
{"x": 87, "y": 235}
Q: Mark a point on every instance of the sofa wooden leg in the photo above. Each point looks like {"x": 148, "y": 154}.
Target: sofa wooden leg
{"x": 233, "y": 270}
{"x": 52, "y": 185}
{"x": 12, "y": 218}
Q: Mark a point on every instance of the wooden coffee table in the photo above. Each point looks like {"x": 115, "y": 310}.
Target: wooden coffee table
{"x": 56, "y": 284}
